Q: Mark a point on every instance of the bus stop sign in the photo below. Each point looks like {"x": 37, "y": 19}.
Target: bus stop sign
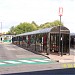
{"x": 60, "y": 11}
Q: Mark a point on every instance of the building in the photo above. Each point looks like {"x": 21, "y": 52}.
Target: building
{"x": 6, "y": 38}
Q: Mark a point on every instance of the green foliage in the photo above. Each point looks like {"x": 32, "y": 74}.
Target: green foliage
{"x": 12, "y": 29}
{"x": 51, "y": 24}
{"x": 33, "y": 23}
{"x": 28, "y": 27}
{"x": 22, "y": 28}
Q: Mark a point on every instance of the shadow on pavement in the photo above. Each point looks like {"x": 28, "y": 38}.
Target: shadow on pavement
{"x": 69, "y": 71}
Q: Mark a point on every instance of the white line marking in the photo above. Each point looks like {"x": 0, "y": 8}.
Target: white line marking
{"x": 2, "y": 63}
{"x": 47, "y": 59}
{"x": 38, "y": 60}
{"x": 27, "y": 61}
{"x": 12, "y": 62}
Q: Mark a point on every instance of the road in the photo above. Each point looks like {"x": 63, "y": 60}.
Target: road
{"x": 69, "y": 71}
{"x": 14, "y": 59}
{"x": 9, "y": 52}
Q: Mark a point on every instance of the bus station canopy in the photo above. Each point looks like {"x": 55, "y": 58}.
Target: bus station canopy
{"x": 54, "y": 29}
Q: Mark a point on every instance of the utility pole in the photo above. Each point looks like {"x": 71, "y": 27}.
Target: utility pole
{"x": 1, "y": 32}
{"x": 60, "y": 14}
{"x": 1, "y": 27}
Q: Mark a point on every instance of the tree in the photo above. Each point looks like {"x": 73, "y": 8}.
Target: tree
{"x": 51, "y": 24}
{"x": 28, "y": 27}
{"x": 11, "y": 31}
{"x": 22, "y": 28}
{"x": 33, "y": 23}
{"x": 57, "y": 23}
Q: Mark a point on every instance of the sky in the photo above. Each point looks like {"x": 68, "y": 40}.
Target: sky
{"x": 14, "y": 12}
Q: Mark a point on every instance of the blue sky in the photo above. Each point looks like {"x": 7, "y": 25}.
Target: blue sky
{"x": 13, "y": 12}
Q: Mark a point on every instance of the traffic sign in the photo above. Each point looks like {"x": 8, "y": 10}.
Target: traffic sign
{"x": 60, "y": 11}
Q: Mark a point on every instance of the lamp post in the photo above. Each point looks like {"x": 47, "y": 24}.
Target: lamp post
{"x": 1, "y": 28}
{"x": 1, "y": 32}
{"x": 60, "y": 14}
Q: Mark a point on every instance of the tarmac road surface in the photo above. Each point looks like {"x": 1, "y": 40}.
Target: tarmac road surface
{"x": 15, "y": 60}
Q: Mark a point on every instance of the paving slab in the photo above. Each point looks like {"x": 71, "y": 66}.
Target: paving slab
{"x": 61, "y": 59}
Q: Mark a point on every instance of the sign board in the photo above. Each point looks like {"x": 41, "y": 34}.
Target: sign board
{"x": 60, "y": 11}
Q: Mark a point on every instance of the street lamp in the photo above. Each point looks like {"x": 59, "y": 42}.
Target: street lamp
{"x": 1, "y": 27}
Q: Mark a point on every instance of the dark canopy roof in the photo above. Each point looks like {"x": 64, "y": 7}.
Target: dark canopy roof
{"x": 54, "y": 29}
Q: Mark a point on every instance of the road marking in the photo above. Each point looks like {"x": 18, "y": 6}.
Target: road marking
{"x": 12, "y": 62}
{"x": 1, "y": 63}
{"x": 27, "y": 61}
{"x": 38, "y": 60}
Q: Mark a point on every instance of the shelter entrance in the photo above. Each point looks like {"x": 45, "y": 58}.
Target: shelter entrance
{"x": 64, "y": 43}
{"x": 59, "y": 43}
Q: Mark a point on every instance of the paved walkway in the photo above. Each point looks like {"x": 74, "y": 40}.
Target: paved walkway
{"x": 62, "y": 59}
{"x": 11, "y": 52}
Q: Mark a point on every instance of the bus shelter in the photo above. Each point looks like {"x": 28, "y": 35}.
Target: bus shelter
{"x": 72, "y": 42}
{"x": 49, "y": 40}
